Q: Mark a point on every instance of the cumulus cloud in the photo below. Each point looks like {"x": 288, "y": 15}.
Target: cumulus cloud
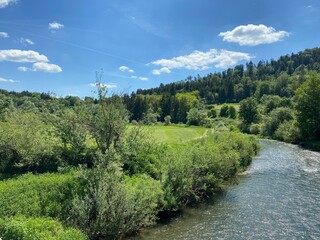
{"x": 26, "y": 41}
{"x": 110, "y": 85}
{"x": 252, "y": 35}
{"x": 198, "y": 60}
{"x": 55, "y": 26}
{"x": 23, "y": 69}
{"x": 5, "y": 3}
{"x": 125, "y": 69}
{"x": 46, "y": 67}
{"x": 161, "y": 70}
{"x": 7, "y": 80}
{"x": 15, "y": 55}
{"x": 4, "y": 35}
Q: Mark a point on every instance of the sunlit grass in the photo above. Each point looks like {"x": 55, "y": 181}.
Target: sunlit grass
{"x": 176, "y": 134}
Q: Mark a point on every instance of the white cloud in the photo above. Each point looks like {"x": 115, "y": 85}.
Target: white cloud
{"x": 198, "y": 60}
{"x": 23, "y": 69}
{"x": 46, "y": 67}
{"x": 55, "y": 25}
{"x": 141, "y": 78}
{"x": 15, "y": 55}
{"x": 7, "y": 80}
{"x": 161, "y": 70}
{"x": 5, "y": 3}
{"x": 252, "y": 35}
{"x": 111, "y": 85}
{"x": 4, "y": 34}
{"x": 26, "y": 41}
{"x": 125, "y": 69}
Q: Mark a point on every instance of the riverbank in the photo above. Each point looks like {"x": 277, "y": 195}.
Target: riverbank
{"x": 280, "y": 190}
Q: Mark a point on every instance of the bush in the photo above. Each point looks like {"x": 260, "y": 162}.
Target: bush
{"x": 21, "y": 228}
{"x": 255, "y": 128}
{"x": 47, "y": 195}
{"x": 232, "y": 112}
{"x": 212, "y": 113}
{"x": 115, "y": 204}
{"x": 27, "y": 142}
{"x": 224, "y": 111}
{"x": 277, "y": 116}
{"x": 288, "y": 131}
{"x": 194, "y": 171}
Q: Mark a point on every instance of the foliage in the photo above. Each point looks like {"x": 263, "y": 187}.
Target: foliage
{"x": 21, "y": 228}
{"x": 308, "y": 107}
{"x": 46, "y": 195}
{"x": 275, "y": 118}
{"x": 107, "y": 120}
{"x": 288, "y": 131}
{"x": 28, "y": 142}
{"x": 114, "y": 204}
{"x": 197, "y": 117}
{"x": 167, "y": 120}
{"x": 194, "y": 171}
{"x": 249, "y": 111}
{"x": 140, "y": 153}
{"x": 224, "y": 111}
{"x": 232, "y": 112}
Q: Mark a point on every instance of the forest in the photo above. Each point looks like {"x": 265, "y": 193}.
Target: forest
{"x": 91, "y": 168}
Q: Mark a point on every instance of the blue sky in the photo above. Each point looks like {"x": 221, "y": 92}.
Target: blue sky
{"x": 57, "y": 46}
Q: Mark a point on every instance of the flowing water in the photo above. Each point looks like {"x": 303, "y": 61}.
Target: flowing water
{"x": 278, "y": 197}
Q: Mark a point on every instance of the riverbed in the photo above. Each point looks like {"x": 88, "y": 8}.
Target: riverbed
{"x": 278, "y": 197}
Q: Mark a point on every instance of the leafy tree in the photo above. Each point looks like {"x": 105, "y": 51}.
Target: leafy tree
{"x": 232, "y": 112}
{"x": 249, "y": 111}
{"x": 308, "y": 106}
{"x": 197, "y": 117}
{"x": 224, "y": 111}
{"x": 107, "y": 120}
{"x": 212, "y": 113}
{"x": 167, "y": 120}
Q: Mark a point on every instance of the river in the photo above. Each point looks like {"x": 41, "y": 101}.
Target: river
{"x": 278, "y": 197}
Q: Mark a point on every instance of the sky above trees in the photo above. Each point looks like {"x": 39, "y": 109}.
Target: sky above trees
{"x": 57, "y": 46}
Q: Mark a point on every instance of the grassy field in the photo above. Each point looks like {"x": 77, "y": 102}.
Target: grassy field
{"x": 177, "y": 134}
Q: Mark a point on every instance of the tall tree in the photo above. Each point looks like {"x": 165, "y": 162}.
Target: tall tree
{"x": 308, "y": 106}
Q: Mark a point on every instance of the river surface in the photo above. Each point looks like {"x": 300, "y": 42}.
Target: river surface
{"x": 278, "y": 197}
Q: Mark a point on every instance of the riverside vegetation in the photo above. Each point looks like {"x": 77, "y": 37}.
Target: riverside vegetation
{"x": 81, "y": 172}
{"x": 76, "y": 169}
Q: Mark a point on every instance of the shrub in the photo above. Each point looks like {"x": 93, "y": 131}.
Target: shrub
{"x": 288, "y": 131}
{"x": 255, "y": 128}
{"x": 167, "y": 120}
{"x": 277, "y": 116}
{"x": 224, "y": 111}
{"x": 27, "y": 142}
{"x": 115, "y": 204}
{"x": 232, "y": 112}
{"x": 194, "y": 171}
{"x": 47, "y": 195}
{"x": 21, "y": 228}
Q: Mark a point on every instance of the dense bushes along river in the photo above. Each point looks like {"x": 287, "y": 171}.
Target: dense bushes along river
{"x": 125, "y": 190}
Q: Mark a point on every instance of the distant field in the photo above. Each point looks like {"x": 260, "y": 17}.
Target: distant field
{"x": 177, "y": 134}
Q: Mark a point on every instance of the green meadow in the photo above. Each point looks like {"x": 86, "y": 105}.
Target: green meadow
{"x": 176, "y": 134}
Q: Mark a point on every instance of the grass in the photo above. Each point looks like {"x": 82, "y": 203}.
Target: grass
{"x": 176, "y": 134}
